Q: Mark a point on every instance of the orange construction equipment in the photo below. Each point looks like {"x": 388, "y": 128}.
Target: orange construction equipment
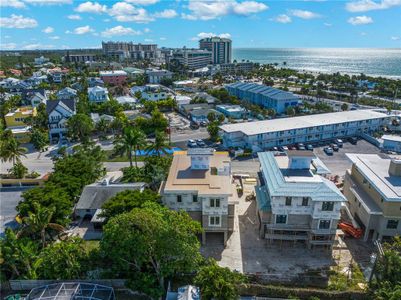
{"x": 349, "y": 229}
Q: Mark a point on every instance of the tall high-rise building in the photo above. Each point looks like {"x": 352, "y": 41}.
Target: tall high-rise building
{"x": 193, "y": 58}
{"x": 220, "y": 48}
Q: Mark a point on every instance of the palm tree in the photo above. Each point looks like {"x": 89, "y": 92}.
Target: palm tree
{"x": 20, "y": 255}
{"x": 39, "y": 221}
{"x": 10, "y": 149}
{"x": 132, "y": 139}
{"x": 160, "y": 145}
{"x": 103, "y": 125}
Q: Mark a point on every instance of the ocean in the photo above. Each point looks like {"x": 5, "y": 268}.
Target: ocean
{"x": 372, "y": 62}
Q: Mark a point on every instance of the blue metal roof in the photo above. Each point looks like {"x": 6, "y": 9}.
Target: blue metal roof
{"x": 276, "y": 184}
{"x": 268, "y": 91}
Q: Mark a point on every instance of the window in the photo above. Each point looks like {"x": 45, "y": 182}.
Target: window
{"x": 327, "y": 206}
{"x": 305, "y": 201}
{"x": 179, "y": 198}
{"x": 392, "y": 224}
{"x": 214, "y": 221}
{"x": 365, "y": 181}
{"x": 324, "y": 224}
{"x": 214, "y": 202}
{"x": 194, "y": 198}
{"x": 281, "y": 219}
{"x": 288, "y": 201}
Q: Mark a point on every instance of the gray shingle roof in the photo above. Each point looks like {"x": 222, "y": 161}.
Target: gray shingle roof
{"x": 94, "y": 195}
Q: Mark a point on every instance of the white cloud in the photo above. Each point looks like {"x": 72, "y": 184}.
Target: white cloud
{"x": 48, "y": 29}
{"x": 363, "y": 34}
{"x": 304, "y": 14}
{"x": 125, "y": 12}
{"x": 203, "y": 35}
{"x": 55, "y": 37}
{"x": 142, "y": 2}
{"x": 81, "y": 30}
{"x": 208, "y": 10}
{"x": 12, "y": 3}
{"x": 360, "y": 20}
{"x": 283, "y": 19}
{"x": 395, "y": 38}
{"x": 91, "y": 7}
{"x": 48, "y": 2}
{"x": 166, "y": 14}
{"x": 249, "y": 7}
{"x": 8, "y": 46}
{"x": 327, "y": 24}
{"x": 37, "y": 46}
{"x": 119, "y": 30}
{"x": 74, "y": 17}
{"x": 148, "y": 40}
{"x": 15, "y": 21}
{"x": 146, "y": 30}
{"x": 367, "y": 5}
{"x": 163, "y": 38}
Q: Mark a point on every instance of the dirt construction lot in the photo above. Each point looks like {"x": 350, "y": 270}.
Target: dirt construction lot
{"x": 248, "y": 253}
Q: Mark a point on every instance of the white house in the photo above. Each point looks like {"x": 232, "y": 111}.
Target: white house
{"x": 98, "y": 94}
{"x": 199, "y": 182}
{"x": 37, "y": 98}
{"x": 59, "y": 111}
{"x": 294, "y": 203}
{"x": 66, "y": 93}
{"x": 156, "y": 76}
{"x": 152, "y": 92}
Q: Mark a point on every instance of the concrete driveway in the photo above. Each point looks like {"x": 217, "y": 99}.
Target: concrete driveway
{"x": 9, "y": 198}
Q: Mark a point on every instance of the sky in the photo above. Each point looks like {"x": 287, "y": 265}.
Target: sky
{"x": 69, "y": 24}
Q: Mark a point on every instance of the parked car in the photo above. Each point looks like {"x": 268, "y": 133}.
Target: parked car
{"x": 192, "y": 144}
{"x": 283, "y": 148}
{"x": 200, "y": 143}
{"x": 292, "y": 147}
{"x": 339, "y": 142}
{"x": 328, "y": 150}
{"x": 203, "y": 123}
{"x": 301, "y": 146}
{"x": 309, "y": 147}
{"x": 194, "y": 125}
{"x": 353, "y": 140}
{"x": 335, "y": 147}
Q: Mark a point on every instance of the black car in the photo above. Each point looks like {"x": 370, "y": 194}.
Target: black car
{"x": 353, "y": 140}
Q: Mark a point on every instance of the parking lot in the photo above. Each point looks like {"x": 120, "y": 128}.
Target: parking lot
{"x": 338, "y": 163}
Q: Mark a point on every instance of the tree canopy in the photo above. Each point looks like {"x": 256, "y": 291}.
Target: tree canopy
{"x": 218, "y": 283}
{"x": 128, "y": 200}
{"x": 165, "y": 244}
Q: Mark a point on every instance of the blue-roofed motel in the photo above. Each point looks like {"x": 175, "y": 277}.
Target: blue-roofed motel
{"x": 263, "y": 95}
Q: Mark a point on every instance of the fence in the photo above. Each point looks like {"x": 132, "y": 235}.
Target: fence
{"x": 27, "y": 285}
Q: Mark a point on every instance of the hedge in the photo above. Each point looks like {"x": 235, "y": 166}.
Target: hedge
{"x": 301, "y": 293}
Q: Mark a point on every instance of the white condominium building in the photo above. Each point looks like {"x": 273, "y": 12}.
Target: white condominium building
{"x": 261, "y": 135}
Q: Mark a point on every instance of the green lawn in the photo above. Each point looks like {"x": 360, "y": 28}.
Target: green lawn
{"x": 91, "y": 245}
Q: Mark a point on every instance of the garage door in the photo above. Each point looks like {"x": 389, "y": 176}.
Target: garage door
{"x": 215, "y": 238}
